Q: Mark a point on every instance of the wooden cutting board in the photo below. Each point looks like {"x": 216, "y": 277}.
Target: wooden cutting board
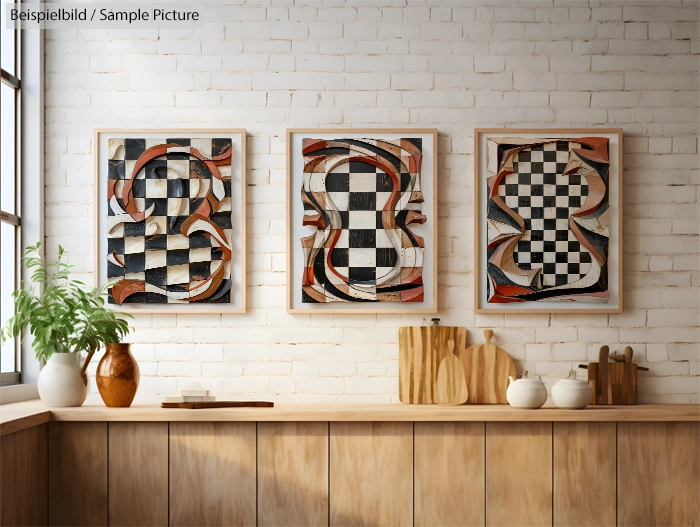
{"x": 220, "y": 404}
{"x": 450, "y": 385}
{"x": 421, "y": 351}
{"x": 487, "y": 368}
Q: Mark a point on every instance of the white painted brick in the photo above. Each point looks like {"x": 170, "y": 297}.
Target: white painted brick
{"x": 660, "y": 145}
{"x": 79, "y": 145}
{"x": 443, "y": 31}
{"x": 538, "y": 352}
{"x": 245, "y": 385}
{"x": 290, "y": 30}
{"x": 636, "y": 31}
{"x": 525, "y": 80}
{"x": 570, "y": 99}
{"x": 179, "y": 369}
{"x": 659, "y": 31}
{"x": 610, "y": 30}
{"x": 337, "y": 14}
{"x": 489, "y": 64}
{"x": 545, "y": 335}
{"x": 660, "y": 263}
{"x": 198, "y": 99}
{"x": 569, "y": 64}
{"x": 684, "y": 351}
{"x": 369, "y": 14}
{"x": 147, "y": 81}
{"x": 321, "y": 385}
{"x": 684, "y": 145}
{"x": 590, "y": 82}
{"x": 572, "y": 351}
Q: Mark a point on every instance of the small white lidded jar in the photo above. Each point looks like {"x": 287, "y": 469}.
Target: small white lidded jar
{"x": 571, "y": 393}
{"x": 528, "y": 392}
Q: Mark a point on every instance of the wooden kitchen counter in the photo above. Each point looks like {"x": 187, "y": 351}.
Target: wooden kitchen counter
{"x": 15, "y": 417}
{"x": 350, "y": 464}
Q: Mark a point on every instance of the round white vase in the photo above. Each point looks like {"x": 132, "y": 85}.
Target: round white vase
{"x": 60, "y": 382}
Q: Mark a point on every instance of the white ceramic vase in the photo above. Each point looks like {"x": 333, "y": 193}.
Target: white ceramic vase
{"x": 60, "y": 382}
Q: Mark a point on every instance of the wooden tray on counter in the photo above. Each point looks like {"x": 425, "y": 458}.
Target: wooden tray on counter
{"x": 220, "y": 404}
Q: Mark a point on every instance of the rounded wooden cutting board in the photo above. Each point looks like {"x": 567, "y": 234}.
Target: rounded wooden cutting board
{"x": 487, "y": 368}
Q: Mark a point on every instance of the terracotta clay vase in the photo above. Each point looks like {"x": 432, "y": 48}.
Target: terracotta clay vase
{"x": 118, "y": 376}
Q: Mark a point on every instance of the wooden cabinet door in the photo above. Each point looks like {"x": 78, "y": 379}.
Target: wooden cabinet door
{"x": 292, "y": 474}
{"x": 138, "y": 474}
{"x": 371, "y": 473}
{"x": 448, "y": 474}
{"x": 584, "y": 474}
{"x": 658, "y": 474}
{"x": 518, "y": 474}
{"x": 23, "y": 477}
{"x": 212, "y": 473}
{"x": 77, "y": 473}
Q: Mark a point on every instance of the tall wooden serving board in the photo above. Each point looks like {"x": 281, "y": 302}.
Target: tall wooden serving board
{"x": 421, "y": 351}
{"x": 487, "y": 368}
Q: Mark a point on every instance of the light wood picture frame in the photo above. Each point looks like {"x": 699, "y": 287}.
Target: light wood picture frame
{"x": 228, "y": 196}
{"x": 512, "y": 277}
{"x": 419, "y": 143}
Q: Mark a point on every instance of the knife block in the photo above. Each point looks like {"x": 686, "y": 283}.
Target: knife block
{"x": 618, "y": 387}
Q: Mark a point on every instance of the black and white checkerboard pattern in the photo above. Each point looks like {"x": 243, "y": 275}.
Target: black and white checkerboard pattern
{"x": 364, "y": 252}
{"x": 166, "y": 259}
{"x": 545, "y": 198}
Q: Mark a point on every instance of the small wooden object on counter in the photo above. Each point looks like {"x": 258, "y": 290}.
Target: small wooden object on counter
{"x": 421, "y": 350}
{"x": 487, "y": 369}
{"x": 220, "y": 404}
{"x": 117, "y": 375}
{"x": 613, "y": 382}
{"x": 450, "y": 386}
{"x": 603, "y": 384}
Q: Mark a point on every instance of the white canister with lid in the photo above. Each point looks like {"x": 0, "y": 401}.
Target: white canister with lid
{"x": 528, "y": 392}
{"x": 571, "y": 393}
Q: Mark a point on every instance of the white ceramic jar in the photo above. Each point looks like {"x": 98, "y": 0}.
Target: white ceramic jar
{"x": 571, "y": 393}
{"x": 528, "y": 392}
{"x": 60, "y": 382}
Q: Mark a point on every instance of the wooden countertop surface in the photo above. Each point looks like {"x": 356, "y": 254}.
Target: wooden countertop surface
{"x": 17, "y": 416}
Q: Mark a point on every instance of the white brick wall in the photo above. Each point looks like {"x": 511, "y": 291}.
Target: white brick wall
{"x": 271, "y": 64}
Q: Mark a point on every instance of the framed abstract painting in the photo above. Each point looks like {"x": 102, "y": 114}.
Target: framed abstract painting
{"x": 548, "y": 220}
{"x": 362, "y": 221}
{"x": 170, "y": 219}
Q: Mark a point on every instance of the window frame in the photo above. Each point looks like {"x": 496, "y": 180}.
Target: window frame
{"x": 15, "y": 219}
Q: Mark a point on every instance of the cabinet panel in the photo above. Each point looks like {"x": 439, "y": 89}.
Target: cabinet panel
{"x": 658, "y": 474}
{"x": 138, "y": 474}
{"x": 212, "y": 473}
{"x": 292, "y": 474}
{"x": 584, "y": 474}
{"x": 23, "y": 477}
{"x": 77, "y": 473}
{"x": 448, "y": 474}
{"x": 371, "y": 473}
{"x": 518, "y": 474}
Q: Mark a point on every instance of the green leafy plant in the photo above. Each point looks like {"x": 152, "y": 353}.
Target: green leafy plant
{"x": 64, "y": 316}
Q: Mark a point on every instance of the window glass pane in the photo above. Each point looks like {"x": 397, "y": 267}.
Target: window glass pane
{"x": 7, "y": 148}
{"x": 7, "y": 286}
{"x": 7, "y": 44}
